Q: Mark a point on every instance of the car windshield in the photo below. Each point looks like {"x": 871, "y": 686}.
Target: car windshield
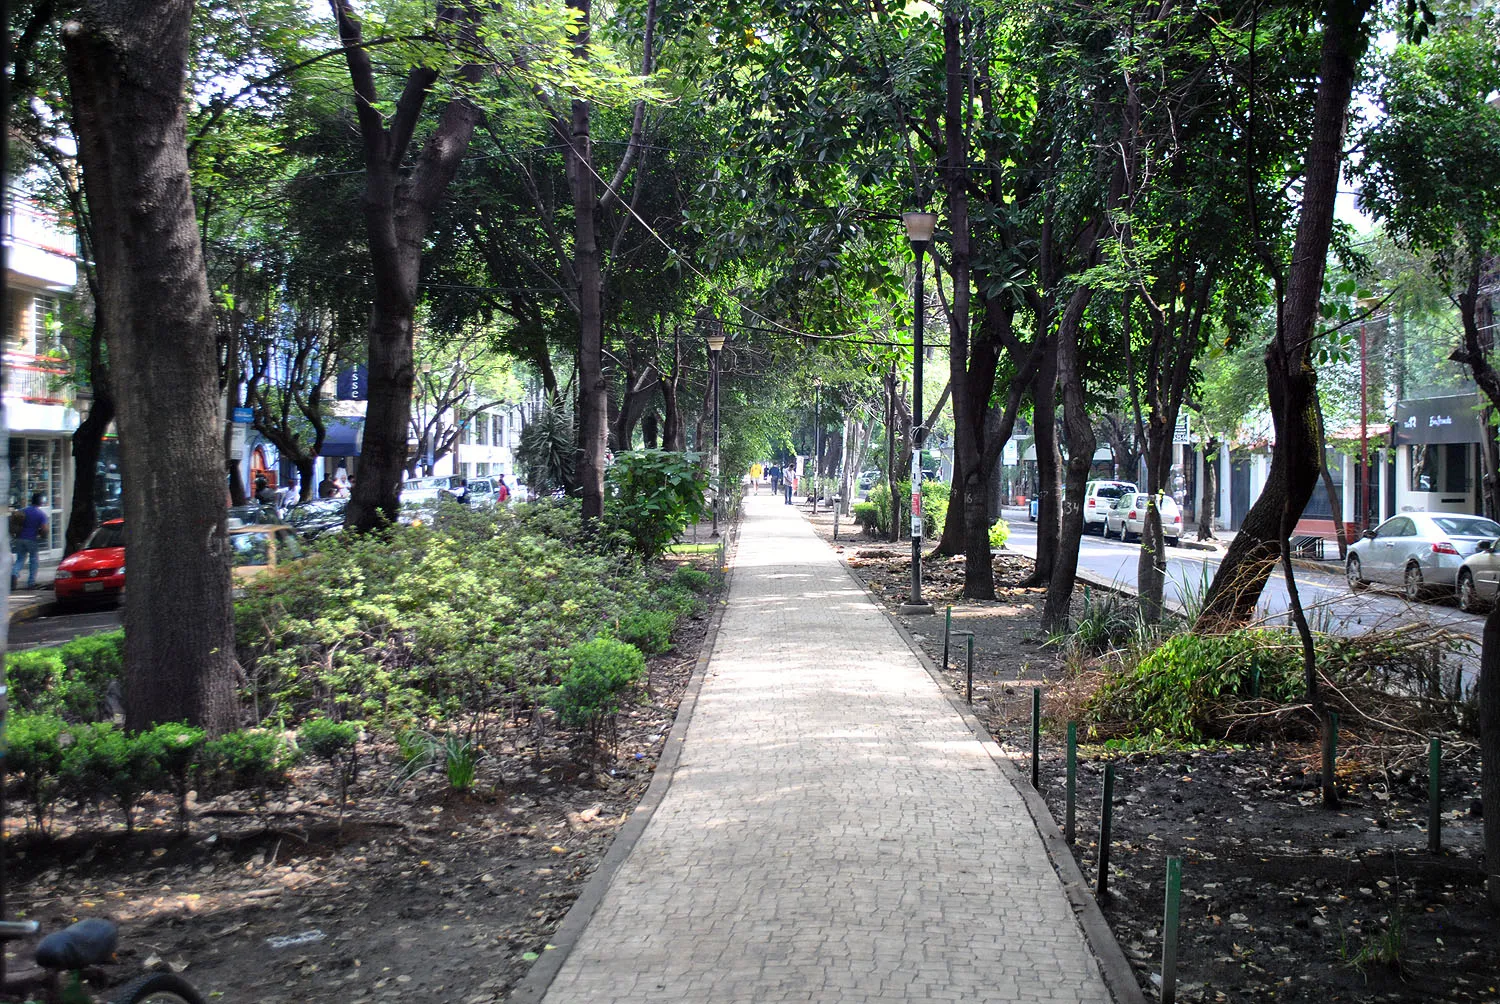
{"x": 1467, "y": 526}
{"x": 309, "y": 512}
{"x": 427, "y": 484}
{"x": 250, "y": 548}
{"x": 1110, "y": 491}
{"x": 109, "y": 535}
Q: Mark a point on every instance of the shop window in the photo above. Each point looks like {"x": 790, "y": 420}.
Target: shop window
{"x": 1440, "y": 468}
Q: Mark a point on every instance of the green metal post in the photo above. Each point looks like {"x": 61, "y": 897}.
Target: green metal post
{"x": 1101, "y": 883}
{"x": 947, "y": 632}
{"x": 1036, "y": 738}
{"x": 1435, "y": 796}
{"x": 969, "y": 673}
{"x": 1070, "y": 820}
{"x": 1169, "y": 931}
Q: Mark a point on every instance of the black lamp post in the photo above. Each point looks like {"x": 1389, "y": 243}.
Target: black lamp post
{"x": 713, "y": 333}
{"x": 919, "y": 228}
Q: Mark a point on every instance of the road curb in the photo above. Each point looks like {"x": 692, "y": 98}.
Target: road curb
{"x": 32, "y": 611}
{"x": 1114, "y": 968}
{"x": 538, "y": 979}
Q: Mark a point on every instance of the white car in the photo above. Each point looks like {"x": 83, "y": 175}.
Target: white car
{"x": 1418, "y": 551}
{"x": 1127, "y": 517}
{"x": 1098, "y": 497}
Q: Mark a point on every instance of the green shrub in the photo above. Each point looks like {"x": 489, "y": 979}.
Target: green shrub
{"x": 653, "y": 495}
{"x": 598, "y": 674}
{"x": 867, "y": 516}
{"x": 681, "y": 601}
{"x": 35, "y": 680}
{"x": 999, "y": 534}
{"x": 648, "y": 630}
{"x": 1178, "y": 690}
{"x": 35, "y": 753}
{"x": 252, "y": 760}
{"x": 178, "y": 747}
{"x": 935, "y": 495}
{"x": 106, "y": 762}
{"x": 92, "y": 663}
{"x": 337, "y": 743}
{"x": 72, "y": 679}
{"x": 688, "y": 577}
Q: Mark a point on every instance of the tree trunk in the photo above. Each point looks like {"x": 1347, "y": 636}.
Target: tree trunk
{"x": 1291, "y": 380}
{"x": 399, "y": 201}
{"x": 1337, "y": 505}
{"x": 1210, "y": 489}
{"x": 1488, "y": 689}
{"x": 1081, "y": 446}
{"x": 1048, "y": 464}
{"x": 1151, "y": 565}
{"x": 593, "y": 392}
{"x": 891, "y": 464}
{"x": 649, "y": 433}
{"x": 127, "y": 67}
{"x": 88, "y": 440}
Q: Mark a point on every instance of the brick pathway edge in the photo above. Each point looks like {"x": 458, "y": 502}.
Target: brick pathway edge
{"x": 538, "y": 979}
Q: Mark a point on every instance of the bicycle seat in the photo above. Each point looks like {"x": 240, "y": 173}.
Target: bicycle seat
{"x": 89, "y": 942}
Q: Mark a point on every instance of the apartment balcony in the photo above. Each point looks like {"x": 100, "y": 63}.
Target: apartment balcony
{"x": 40, "y": 380}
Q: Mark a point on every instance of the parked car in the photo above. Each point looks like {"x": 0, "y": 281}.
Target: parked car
{"x": 1419, "y": 551}
{"x": 482, "y": 492}
{"x": 1479, "y": 577}
{"x": 1098, "y": 497}
{"x": 97, "y": 570}
{"x": 257, "y": 550}
{"x": 252, "y": 512}
{"x": 423, "y": 490}
{"x": 1127, "y": 517}
{"x": 316, "y": 517}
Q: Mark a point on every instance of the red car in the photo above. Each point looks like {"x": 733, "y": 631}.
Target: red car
{"x": 96, "y": 571}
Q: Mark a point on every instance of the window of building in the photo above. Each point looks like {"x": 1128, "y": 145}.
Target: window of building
{"x": 33, "y": 326}
{"x": 1440, "y": 467}
{"x": 499, "y": 431}
{"x": 481, "y": 423}
{"x": 481, "y": 470}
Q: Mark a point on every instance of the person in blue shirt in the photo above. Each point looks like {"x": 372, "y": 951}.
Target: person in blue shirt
{"x": 27, "y": 540}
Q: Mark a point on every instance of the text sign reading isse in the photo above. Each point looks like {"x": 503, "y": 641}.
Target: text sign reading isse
{"x": 353, "y": 384}
{"x": 243, "y": 416}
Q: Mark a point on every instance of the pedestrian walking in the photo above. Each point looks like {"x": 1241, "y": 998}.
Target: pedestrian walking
{"x": 789, "y": 481}
{"x": 26, "y": 536}
{"x": 776, "y": 480}
{"x": 326, "y": 488}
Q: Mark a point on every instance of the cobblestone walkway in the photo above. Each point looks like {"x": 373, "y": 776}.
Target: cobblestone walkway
{"x": 833, "y": 832}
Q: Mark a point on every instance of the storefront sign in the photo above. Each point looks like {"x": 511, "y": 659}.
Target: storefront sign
{"x": 353, "y": 384}
{"x": 1439, "y": 420}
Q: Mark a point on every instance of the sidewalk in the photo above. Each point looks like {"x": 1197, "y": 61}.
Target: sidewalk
{"x": 24, "y": 604}
{"x": 834, "y": 830}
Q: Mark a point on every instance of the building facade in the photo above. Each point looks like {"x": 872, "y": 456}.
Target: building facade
{"x": 39, "y": 395}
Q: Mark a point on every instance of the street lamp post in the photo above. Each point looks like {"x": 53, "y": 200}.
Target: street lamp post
{"x": 714, "y": 335}
{"x": 919, "y": 228}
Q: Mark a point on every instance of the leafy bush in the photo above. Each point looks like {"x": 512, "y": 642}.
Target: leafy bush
{"x": 935, "y": 496}
{"x": 1180, "y": 689}
{"x": 105, "y": 762}
{"x": 867, "y": 516}
{"x": 653, "y": 495}
{"x": 35, "y": 752}
{"x": 421, "y": 623}
{"x": 688, "y": 577}
{"x": 34, "y": 678}
{"x": 545, "y": 453}
{"x": 72, "y": 680}
{"x": 599, "y": 673}
{"x": 337, "y": 743}
{"x": 999, "y": 534}
{"x": 648, "y": 630}
{"x": 177, "y": 747}
{"x": 682, "y": 602}
{"x": 250, "y": 760}
{"x": 935, "y": 500}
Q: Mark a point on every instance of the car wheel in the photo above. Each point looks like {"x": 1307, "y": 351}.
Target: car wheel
{"x": 1468, "y": 596}
{"x": 1127, "y": 536}
{"x": 1352, "y": 571}
{"x": 1412, "y": 584}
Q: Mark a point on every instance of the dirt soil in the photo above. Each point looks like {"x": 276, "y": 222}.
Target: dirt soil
{"x": 423, "y": 895}
{"x": 1282, "y": 899}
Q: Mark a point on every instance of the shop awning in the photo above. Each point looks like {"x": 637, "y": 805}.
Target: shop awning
{"x": 343, "y": 438}
{"x": 1439, "y": 420}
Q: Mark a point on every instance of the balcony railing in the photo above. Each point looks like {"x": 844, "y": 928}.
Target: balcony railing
{"x": 39, "y": 379}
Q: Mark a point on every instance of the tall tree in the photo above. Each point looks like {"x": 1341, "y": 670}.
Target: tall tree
{"x": 399, "y": 202}
{"x": 127, "y": 66}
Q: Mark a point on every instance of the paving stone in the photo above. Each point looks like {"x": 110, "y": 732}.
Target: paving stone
{"x": 833, "y": 831}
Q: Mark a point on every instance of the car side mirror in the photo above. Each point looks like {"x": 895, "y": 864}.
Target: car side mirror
{"x": 1485, "y": 545}
{"x": 1368, "y": 535}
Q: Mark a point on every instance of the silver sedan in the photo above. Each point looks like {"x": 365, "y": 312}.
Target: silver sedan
{"x": 1419, "y": 551}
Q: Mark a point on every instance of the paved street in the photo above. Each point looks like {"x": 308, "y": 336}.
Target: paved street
{"x": 1329, "y": 601}
{"x": 833, "y": 831}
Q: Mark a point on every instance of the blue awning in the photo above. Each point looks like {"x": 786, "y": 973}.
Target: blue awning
{"x": 343, "y": 438}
